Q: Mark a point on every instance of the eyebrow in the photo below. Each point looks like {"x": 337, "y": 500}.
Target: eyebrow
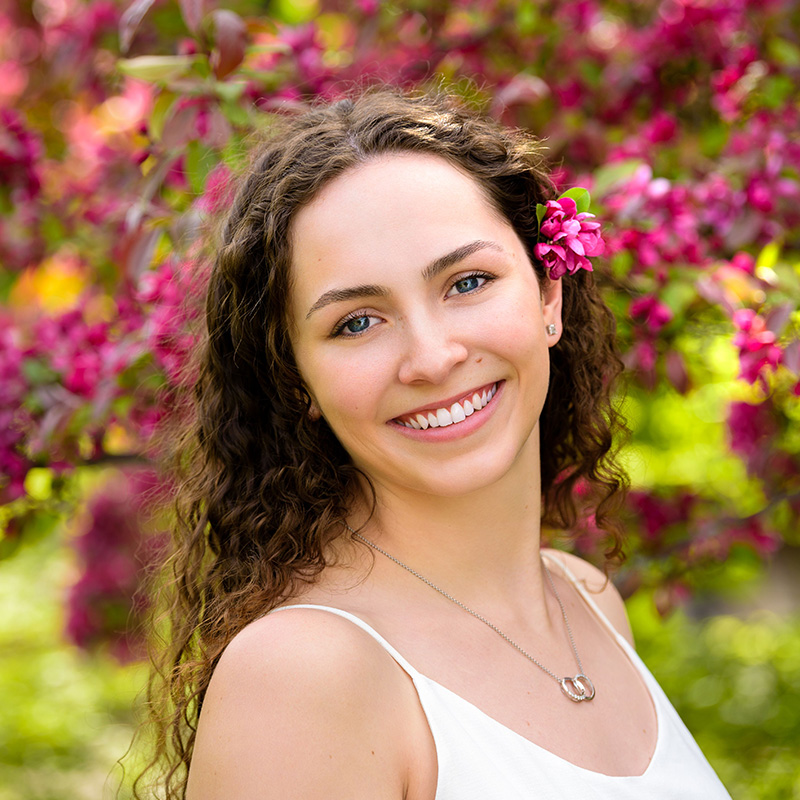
{"x": 428, "y": 273}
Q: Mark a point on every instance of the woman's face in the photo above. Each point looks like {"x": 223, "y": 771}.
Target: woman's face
{"x": 419, "y": 326}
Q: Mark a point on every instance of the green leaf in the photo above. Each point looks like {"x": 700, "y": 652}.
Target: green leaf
{"x": 158, "y": 116}
{"x": 768, "y": 257}
{"x": 157, "y": 69}
{"x": 39, "y": 483}
{"x": 784, "y": 52}
{"x": 777, "y": 89}
{"x": 621, "y": 264}
{"x": 229, "y": 91}
{"x": 607, "y": 176}
{"x": 38, "y": 373}
{"x": 540, "y": 212}
{"x": 7, "y": 281}
{"x": 235, "y": 114}
{"x": 9, "y": 546}
{"x": 526, "y": 18}
{"x": 581, "y": 197}
{"x": 200, "y": 161}
{"x": 713, "y": 139}
{"x": 294, "y": 12}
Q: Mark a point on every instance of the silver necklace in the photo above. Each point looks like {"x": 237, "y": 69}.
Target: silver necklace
{"x": 576, "y": 688}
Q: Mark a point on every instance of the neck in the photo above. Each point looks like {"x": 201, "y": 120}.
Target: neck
{"x": 483, "y": 544}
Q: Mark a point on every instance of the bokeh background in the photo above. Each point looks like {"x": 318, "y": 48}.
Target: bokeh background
{"x": 121, "y": 125}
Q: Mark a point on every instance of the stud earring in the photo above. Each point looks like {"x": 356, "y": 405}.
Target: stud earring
{"x": 551, "y": 329}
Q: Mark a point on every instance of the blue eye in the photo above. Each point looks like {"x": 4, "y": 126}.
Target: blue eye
{"x": 468, "y": 283}
{"x": 357, "y": 324}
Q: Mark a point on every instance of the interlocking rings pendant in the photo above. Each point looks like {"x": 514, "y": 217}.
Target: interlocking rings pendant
{"x": 582, "y": 686}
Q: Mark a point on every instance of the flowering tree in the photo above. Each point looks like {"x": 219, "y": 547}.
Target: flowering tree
{"x": 122, "y": 124}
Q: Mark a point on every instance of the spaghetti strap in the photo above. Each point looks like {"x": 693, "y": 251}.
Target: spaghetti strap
{"x": 414, "y": 674}
{"x": 581, "y": 589}
{"x": 478, "y": 757}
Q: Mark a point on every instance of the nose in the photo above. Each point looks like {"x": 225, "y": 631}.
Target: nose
{"x": 432, "y": 349}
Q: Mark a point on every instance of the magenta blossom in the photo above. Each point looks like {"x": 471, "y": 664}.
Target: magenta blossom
{"x": 570, "y": 238}
{"x": 651, "y": 311}
{"x": 756, "y": 343}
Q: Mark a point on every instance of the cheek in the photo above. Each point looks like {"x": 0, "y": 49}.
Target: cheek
{"x": 518, "y": 331}
{"x": 346, "y": 388}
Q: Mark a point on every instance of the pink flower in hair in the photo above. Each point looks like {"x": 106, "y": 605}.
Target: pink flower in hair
{"x": 568, "y": 237}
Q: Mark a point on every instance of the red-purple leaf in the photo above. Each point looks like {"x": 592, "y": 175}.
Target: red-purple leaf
{"x": 180, "y": 128}
{"x": 778, "y": 317}
{"x": 192, "y": 12}
{"x": 715, "y": 294}
{"x": 230, "y": 39}
{"x": 675, "y": 367}
{"x": 130, "y": 20}
{"x": 219, "y": 129}
{"x": 138, "y": 247}
{"x": 791, "y": 356}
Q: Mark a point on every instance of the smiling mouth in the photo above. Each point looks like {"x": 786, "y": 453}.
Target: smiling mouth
{"x": 449, "y": 415}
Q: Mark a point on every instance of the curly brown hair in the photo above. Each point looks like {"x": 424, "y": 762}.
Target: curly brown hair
{"x": 264, "y": 487}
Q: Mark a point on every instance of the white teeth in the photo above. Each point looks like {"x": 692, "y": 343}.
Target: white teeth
{"x": 444, "y": 417}
{"x": 458, "y": 412}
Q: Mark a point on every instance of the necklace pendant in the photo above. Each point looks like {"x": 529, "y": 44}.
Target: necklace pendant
{"x": 578, "y": 688}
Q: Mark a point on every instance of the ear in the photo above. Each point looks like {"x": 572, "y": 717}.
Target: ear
{"x": 551, "y": 308}
{"x": 313, "y": 411}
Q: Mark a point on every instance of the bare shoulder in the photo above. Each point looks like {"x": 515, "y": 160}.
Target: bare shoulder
{"x": 303, "y": 704}
{"x": 599, "y": 587}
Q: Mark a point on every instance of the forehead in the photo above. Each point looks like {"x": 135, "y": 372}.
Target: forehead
{"x": 382, "y": 219}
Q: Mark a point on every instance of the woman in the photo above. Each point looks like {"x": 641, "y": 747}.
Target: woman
{"x": 407, "y": 372}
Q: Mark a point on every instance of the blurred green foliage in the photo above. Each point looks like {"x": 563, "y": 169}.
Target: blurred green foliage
{"x": 67, "y": 716}
{"x": 736, "y": 685}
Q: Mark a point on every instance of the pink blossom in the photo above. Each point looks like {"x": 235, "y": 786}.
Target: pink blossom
{"x": 751, "y": 429}
{"x": 756, "y": 343}
{"x": 753, "y": 533}
{"x": 14, "y": 417}
{"x": 172, "y": 293}
{"x": 113, "y": 549}
{"x": 219, "y": 190}
{"x": 20, "y": 151}
{"x": 650, "y": 310}
{"x": 368, "y": 7}
{"x": 573, "y": 238}
{"x": 671, "y": 595}
{"x": 745, "y": 262}
{"x": 657, "y": 514}
{"x": 759, "y": 196}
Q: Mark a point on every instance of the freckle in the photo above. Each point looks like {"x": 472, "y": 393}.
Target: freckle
{"x": 373, "y": 752}
{"x": 479, "y": 359}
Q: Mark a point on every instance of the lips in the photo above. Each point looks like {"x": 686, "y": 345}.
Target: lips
{"x": 443, "y": 416}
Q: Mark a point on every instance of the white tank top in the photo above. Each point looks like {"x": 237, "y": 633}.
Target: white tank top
{"x": 481, "y": 759}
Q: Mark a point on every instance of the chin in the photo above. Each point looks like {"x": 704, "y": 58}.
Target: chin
{"x": 460, "y": 476}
